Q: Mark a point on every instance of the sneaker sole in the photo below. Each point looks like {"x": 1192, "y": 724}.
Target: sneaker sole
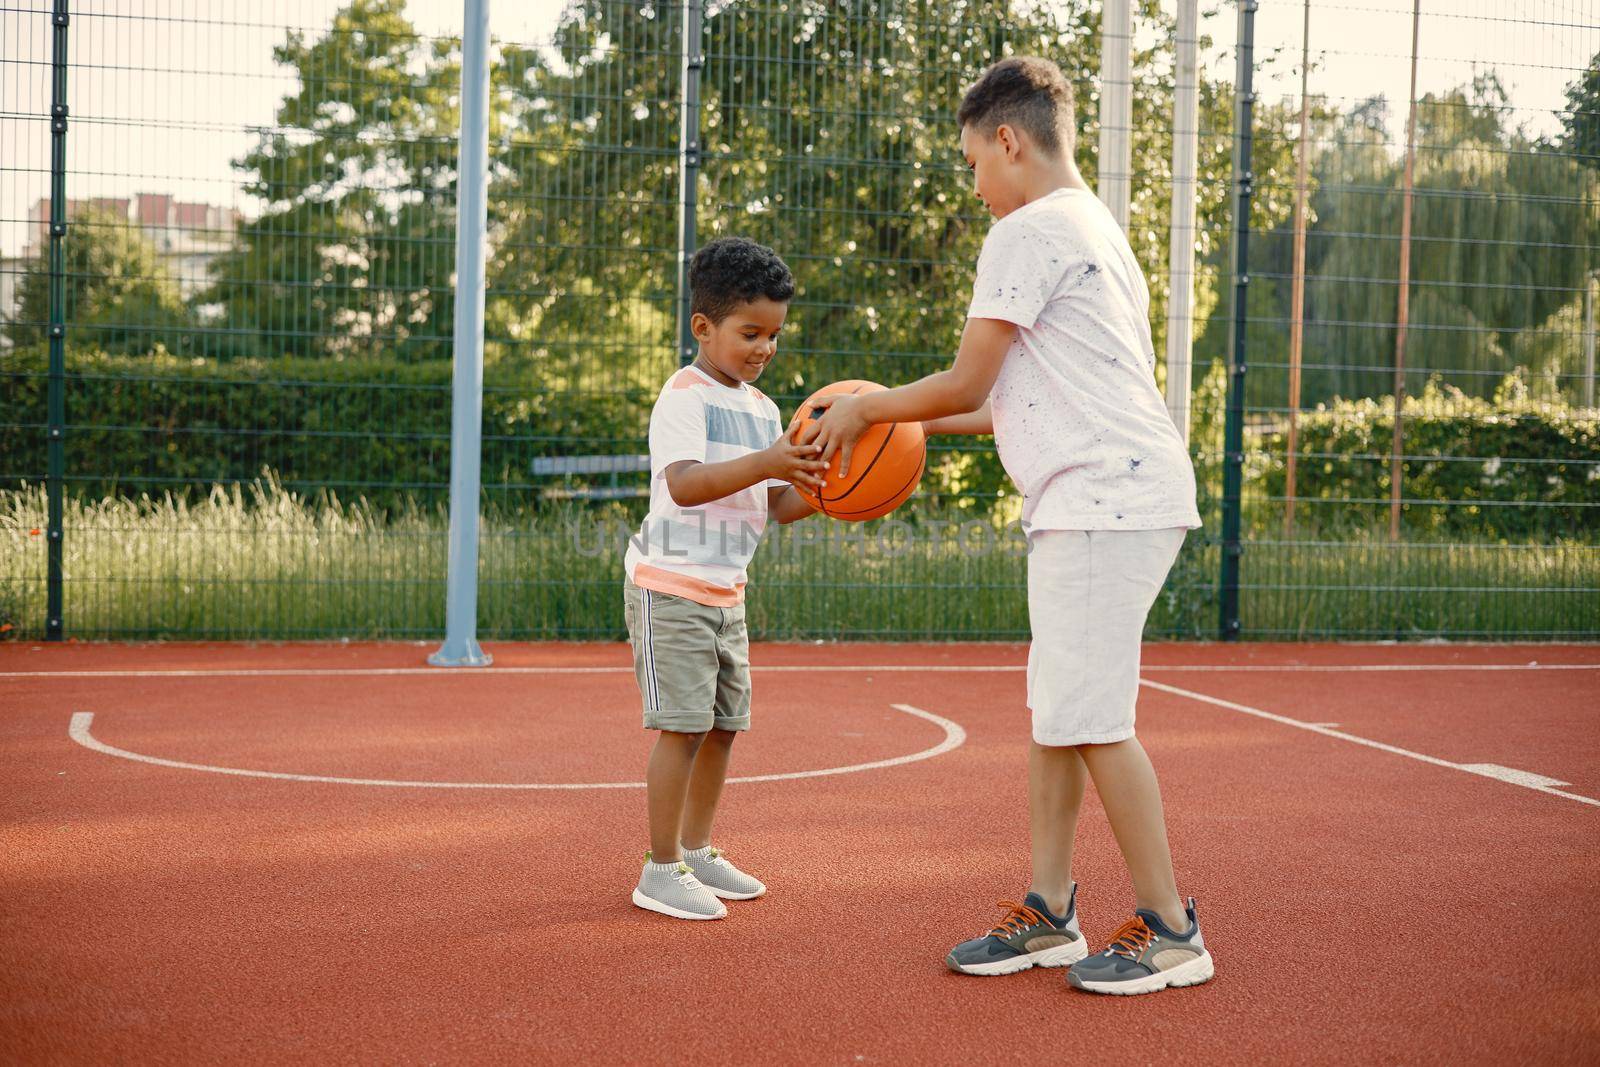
{"x": 726, "y": 894}
{"x": 1060, "y": 956}
{"x": 1198, "y": 970}
{"x": 651, "y": 904}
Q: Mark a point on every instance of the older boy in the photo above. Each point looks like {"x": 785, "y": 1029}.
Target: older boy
{"x": 1056, "y": 361}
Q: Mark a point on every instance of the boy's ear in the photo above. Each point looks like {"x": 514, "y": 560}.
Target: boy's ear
{"x": 1009, "y": 140}
{"x": 700, "y": 325}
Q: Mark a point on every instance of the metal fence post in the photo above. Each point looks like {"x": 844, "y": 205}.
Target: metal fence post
{"x": 56, "y": 400}
{"x": 1113, "y": 181}
{"x": 1233, "y": 428}
{"x": 693, "y": 53}
{"x": 460, "y": 648}
{"x": 1180, "y": 253}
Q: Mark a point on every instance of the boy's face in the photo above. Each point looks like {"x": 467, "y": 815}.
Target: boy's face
{"x": 738, "y": 348}
{"x": 996, "y": 168}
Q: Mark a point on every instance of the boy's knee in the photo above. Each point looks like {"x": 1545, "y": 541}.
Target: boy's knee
{"x": 685, "y": 738}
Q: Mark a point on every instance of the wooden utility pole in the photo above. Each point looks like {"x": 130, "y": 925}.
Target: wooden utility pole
{"x": 1397, "y": 448}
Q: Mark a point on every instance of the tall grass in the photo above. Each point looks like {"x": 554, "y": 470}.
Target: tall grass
{"x": 259, "y": 562}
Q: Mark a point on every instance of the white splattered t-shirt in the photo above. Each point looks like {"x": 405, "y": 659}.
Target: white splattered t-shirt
{"x": 1078, "y": 421}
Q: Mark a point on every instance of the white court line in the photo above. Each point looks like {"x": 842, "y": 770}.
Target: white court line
{"x": 1484, "y": 770}
{"x": 1511, "y": 774}
{"x": 79, "y": 731}
{"x": 447, "y": 672}
{"x": 886, "y": 668}
{"x": 1364, "y": 667}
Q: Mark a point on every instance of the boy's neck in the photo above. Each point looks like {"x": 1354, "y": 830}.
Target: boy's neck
{"x": 1045, "y": 178}
{"x": 703, "y": 365}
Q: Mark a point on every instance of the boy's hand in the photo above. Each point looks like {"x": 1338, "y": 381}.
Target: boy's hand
{"x": 839, "y": 428}
{"x": 794, "y": 463}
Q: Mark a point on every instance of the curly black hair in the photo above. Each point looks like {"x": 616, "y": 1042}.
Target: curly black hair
{"x": 731, "y": 271}
{"x": 1027, "y": 92}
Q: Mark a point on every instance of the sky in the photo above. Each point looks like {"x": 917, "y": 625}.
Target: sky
{"x": 174, "y": 85}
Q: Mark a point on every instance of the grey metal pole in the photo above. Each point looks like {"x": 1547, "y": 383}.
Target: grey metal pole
{"x": 693, "y": 54}
{"x": 460, "y": 648}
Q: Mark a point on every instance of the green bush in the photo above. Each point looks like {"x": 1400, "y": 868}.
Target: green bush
{"x": 378, "y": 428}
{"x": 371, "y": 427}
{"x": 1511, "y": 467}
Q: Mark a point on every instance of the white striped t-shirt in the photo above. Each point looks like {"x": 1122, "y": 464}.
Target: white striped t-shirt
{"x": 701, "y": 553}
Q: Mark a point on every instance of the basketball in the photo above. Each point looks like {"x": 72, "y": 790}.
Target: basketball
{"x": 884, "y": 468}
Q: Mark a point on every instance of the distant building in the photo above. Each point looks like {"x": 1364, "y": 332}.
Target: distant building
{"x": 11, "y": 268}
{"x": 187, "y": 236}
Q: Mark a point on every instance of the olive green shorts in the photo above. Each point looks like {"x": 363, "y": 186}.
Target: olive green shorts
{"x": 692, "y": 662}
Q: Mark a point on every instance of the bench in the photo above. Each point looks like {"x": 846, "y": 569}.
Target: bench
{"x": 569, "y": 466}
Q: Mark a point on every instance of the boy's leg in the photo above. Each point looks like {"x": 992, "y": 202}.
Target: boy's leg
{"x": 1128, "y": 789}
{"x": 1041, "y": 931}
{"x": 705, "y": 788}
{"x": 1056, "y": 779}
{"x": 714, "y": 870}
{"x": 667, "y": 884}
{"x": 668, "y": 786}
{"x": 731, "y": 715}
{"x": 675, "y": 663}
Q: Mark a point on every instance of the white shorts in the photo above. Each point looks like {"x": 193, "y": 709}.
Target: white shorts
{"x": 1089, "y": 592}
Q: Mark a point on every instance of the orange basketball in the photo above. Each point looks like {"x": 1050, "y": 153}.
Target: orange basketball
{"x": 884, "y": 468}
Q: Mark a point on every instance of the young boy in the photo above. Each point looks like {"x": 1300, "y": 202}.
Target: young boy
{"x": 1056, "y": 361}
{"x": 720, "y": 466}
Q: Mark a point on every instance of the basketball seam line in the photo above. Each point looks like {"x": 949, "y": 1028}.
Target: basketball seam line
{"x": 893, "y": 426}
{"x": 910, "y": 482}
{"x": 822, "y": 501}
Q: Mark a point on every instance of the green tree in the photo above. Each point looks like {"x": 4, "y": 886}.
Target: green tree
{"x": 827, "y": 134}
{"x": 119, "y": 295}
{"x": 1500, "y": 239}
{"x": 354, "y": 245}
{"x": 1581, "y": 122}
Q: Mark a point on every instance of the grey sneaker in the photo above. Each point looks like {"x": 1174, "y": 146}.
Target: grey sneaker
{"x": 1029, "y": 936}
{"x": 672, "y": 889}
{"x": 1146, "y": 955}
{"x": 721, "y": 876}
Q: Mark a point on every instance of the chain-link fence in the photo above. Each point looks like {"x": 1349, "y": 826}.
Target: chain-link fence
{"x": 1420, "y": 432}
{"x": 255, "y": 290}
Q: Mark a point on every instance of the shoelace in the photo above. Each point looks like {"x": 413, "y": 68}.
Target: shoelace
{"x": 1018, "y": 918}
{"x": 682, "y": 872}
{"x": 1131, "y": 939}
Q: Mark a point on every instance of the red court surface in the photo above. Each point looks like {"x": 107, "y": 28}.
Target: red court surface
{"x": 1395, "y": 849}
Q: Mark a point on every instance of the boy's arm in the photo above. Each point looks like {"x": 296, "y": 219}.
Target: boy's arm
{"x": 693, "y": 483}
{"x": 975, "y": 422}
{"x": 957, "y": 391}
{"x": 784, "y": 505}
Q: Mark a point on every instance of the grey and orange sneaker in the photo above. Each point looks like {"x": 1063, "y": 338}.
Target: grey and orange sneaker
{"x": 720, "y": 876}
{"x": 1145, "y": 955}
{"x": 672, "y": 889}
{"x": 1029, "y": 936}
